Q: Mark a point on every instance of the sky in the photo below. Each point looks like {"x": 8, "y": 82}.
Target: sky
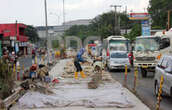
{"x": 32, "y": 12}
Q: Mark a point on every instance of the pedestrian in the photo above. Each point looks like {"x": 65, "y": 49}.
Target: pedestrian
{"x": 77, "y": 61}
{"x": 33, "y": 55}
{"x": 47, "y": 79}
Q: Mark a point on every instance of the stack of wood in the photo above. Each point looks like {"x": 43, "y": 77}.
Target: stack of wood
{"x": 7, "y": 102}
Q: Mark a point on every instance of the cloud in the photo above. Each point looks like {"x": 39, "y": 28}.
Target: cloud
{"x": 32, "y": 11}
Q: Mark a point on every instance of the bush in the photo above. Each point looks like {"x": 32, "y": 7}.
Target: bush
{"x": 6, "y": 80}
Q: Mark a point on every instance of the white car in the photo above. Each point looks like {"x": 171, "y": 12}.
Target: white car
{"x": 118, "y": 60}
{"x": 164, "y": 67}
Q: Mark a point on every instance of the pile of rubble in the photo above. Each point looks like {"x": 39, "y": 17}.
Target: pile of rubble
{"x": 69, "y": 69}
{"x": 75, "y": 93}
{"x": 70, "y": 53}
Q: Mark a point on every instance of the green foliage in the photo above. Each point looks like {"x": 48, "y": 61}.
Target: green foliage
{"x": 31, "y": 32}
{"x": 55, "y": 44}
{"x": 81, "y": 31}
{"x": 73, "y": 43}
{"x": 102, "y": 25}
{"x": 6, "y": 80}
{"x": 158, "y": 11}
{"x": 135, "y": 31}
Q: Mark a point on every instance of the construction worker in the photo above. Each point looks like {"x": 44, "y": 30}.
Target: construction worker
{"x": 77, "y": 61}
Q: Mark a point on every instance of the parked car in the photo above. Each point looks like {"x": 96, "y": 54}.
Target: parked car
{"x": 118, "y": 60}
{"x": 164, "y": 67}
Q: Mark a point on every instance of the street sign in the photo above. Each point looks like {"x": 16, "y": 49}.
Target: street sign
{"x": 138, "y": 16}
{"x": 13, "y": 38}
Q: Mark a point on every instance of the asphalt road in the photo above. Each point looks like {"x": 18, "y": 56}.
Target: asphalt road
{"x": 145, "y": 89}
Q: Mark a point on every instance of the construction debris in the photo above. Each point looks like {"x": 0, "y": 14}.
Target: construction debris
{"x": 75, "y": 93}
{"x": 95, "y": 81}
{"x": 69, "y": 69}
{"x": 41, "y": 72}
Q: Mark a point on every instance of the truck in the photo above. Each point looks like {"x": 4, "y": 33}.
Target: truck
{"x": 149, "y": 49}
{"x": 146, "y": 51}
{"x": 114, "y": 43}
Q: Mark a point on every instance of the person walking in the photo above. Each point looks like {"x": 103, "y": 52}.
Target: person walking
{"x": 33, "y": 55}
{"x": 77, "y": 61}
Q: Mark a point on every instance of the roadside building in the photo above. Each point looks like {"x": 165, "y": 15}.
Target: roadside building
{"x": 13, "y": 37}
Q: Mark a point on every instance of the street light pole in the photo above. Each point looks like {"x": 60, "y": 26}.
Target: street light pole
{"x": 46, "y": 26}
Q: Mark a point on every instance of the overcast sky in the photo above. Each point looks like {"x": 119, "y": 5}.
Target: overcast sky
{"x": 31, "y": 12}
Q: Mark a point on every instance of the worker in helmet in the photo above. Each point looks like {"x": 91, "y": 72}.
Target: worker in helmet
{"x": 77, "y": 61}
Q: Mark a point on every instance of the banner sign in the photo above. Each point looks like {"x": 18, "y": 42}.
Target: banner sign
{"x": 16, "y": 47}
{"x": 138, "y": 16}
{"x": 145, "y": 28}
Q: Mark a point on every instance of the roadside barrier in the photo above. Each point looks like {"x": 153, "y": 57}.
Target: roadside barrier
{"x": 159, "y": 98}
{"x": 43, "y": 59}
{"x": 36, "y": 60}
{"x": 125, "y": 78}
{"x": 23, "y": 71}
{"x": 14, "y": 71}
{"x": 135, "y": 78}
{"x": 18, "y": 72}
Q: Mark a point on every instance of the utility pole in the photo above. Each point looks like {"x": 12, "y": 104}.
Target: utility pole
{"x": 15, "y": 40}
{"x": 63, "y": 12}
{"x": 64, "y": 23}
{"x": 46, "y": 26}
{"x": 116, "y": 18}
{"x": 126, "y": 21}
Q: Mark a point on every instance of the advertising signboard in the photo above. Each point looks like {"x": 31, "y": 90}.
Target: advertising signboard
{"x": 16, "y": 47}
{"x": 138, "y": 16}
{"x": 145, "y": 28}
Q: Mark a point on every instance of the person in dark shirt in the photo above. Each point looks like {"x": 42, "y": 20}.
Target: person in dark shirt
{"x": 77, "y": 61}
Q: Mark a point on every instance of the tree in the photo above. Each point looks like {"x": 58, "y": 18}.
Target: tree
{"x": 135, "y": 31}
{"x": 81, "y": 31}
{"x": 31, "y": 32}
{"x": 55, "y": 44}
{"x": 102, "y": 25}
{"x": 158, "y": 11}
{"x": 6, "y": 78}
